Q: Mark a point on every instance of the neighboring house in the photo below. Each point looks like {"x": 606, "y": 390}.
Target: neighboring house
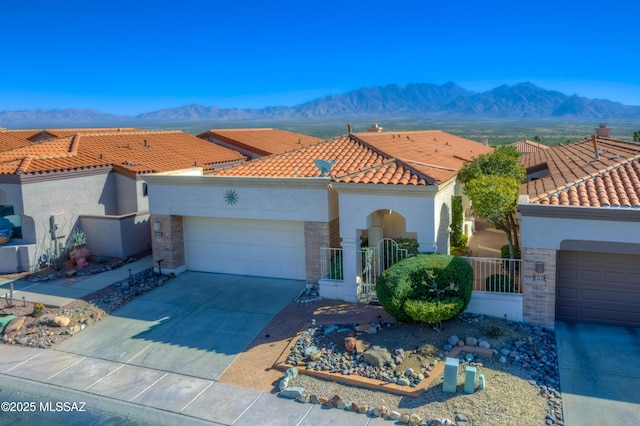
{"x": 580, "y": 226}
{"x": 279, "y": 216}
{"x": 257, "y": 142}
{"x": 526, "y": 146}
{"x": 55, "y": 181}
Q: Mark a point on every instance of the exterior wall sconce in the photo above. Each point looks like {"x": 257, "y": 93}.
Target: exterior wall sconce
{"x": 539, "y": 268}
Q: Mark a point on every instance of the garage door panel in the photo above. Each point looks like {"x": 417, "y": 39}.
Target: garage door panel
{"x": 590, "y": 275}
{"x": 567, "y": 293}
{"x": 614, "y": 277}
{"x": 614, "y": 297}
{"x": 246, "y": 247}
{"x": 598, "y": 287}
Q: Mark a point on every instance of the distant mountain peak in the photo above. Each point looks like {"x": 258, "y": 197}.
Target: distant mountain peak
{"x": 520, "y": 101}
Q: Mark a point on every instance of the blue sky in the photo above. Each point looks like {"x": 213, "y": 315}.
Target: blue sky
{"x": 139, "y": 56}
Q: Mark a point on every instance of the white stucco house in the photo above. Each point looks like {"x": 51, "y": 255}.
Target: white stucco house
{"x": 286, "y": 215}
{"x": 57, "y": 180}
{"x": 580, "y": 232}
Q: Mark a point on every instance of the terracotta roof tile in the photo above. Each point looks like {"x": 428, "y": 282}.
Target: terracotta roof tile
{"x": 399, "y": 158}
{"x": 11, "y": 141}
{"x": 132, "y": 151}
{"x": 434, "y": 153}
{"x": 610, "y": 179}
{"x": 526, "y": 146}
{"x": 262, "y": 141}
{"x": 613, "y": 188}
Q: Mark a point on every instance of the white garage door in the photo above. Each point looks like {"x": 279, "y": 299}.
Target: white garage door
{"x": 266, "y": 248}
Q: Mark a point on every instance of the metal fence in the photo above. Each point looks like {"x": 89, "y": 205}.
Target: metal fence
{"x": 331, "y": 264}
{"x": 496, "y": 275}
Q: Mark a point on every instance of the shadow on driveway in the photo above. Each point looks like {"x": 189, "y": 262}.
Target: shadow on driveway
{"x": 195, "y": 324}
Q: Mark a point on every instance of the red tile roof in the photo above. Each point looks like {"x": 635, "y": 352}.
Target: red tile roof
{"x": 403, "y": 158}
{"x": 135, "y": 152}
{"x": 434, "y": 153}
{"x": 526, "y": 146}
{"x": 39, "y": 134}
{"x": 572, "y": 176}
{"x": 265, "y": 141}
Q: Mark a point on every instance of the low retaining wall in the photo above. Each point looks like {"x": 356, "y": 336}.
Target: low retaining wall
{"x": 501, "y": 305}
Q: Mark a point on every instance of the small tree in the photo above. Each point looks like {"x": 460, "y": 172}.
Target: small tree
{"x": 636, "y": 136}
{"x": 491, "y": 182}
{"x": 456, "y": 222}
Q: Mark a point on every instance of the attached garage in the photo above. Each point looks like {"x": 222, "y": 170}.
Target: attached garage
{"x": 267, "y": 248}
{"x": 601, "y": 288}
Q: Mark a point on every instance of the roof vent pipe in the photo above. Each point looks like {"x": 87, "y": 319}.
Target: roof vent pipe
{"x": 349, "y": 128}
{"x": 596, "y": 151}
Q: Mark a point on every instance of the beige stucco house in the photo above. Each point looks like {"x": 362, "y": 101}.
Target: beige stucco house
{"x": 56, "y": 180}
{"x": 580, "y": 225}
{"x": 282, "y": 215}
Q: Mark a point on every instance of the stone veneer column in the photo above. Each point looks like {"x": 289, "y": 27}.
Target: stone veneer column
{"x": 539, "y": 296}
{"x": 169, "y": 243}
{"x": 316, "y": 236}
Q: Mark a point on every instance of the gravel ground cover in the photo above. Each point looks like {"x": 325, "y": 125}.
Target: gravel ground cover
{"x": 522, "y": 384}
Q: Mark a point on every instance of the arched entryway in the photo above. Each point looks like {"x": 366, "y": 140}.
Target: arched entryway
{"x": 386, "y": 241}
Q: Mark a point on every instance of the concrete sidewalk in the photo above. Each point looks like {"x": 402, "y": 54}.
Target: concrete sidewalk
{"x": 57, "y": 293}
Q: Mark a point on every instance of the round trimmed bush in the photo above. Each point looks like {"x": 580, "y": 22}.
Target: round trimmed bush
{"x": 426, "y": 288}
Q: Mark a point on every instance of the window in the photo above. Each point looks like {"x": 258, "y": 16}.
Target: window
{"x": 145, "y": 190}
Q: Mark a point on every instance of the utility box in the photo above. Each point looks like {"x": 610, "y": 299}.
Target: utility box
{"x": 450, "y": 375}
{"x": 470, "y": 379}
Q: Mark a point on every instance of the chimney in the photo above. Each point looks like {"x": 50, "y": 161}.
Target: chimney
{"x": 602, "y": 131}
{"x": 349, "y": 128}
{"x": 374, "y": 128}
{"x": 596, "y": 151}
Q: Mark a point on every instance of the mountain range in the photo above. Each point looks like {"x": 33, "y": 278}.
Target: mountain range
{"x": 521, "y": 101}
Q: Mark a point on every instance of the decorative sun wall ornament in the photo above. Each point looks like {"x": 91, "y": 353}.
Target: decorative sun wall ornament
{"x": 231, "y": 196}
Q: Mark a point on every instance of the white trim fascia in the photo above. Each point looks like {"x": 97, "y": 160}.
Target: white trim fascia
{"x": 249, "y": 181}
{"x": 382, "y": 189}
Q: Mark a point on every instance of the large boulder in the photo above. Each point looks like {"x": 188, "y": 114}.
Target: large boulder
{"x": 377, "y": 356}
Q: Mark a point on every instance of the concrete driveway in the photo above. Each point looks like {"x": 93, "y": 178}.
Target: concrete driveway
{"x": 599, "y": 374}
{"x": 196, "y": 324}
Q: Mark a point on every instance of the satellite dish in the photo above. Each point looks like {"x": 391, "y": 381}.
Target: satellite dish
{"x": 324, "y": 166}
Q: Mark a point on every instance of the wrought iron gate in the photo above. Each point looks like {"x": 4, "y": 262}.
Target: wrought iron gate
{"x": 374, "y": 261}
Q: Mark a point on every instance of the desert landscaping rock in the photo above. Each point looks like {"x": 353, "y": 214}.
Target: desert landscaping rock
{"x": 60, "y": 321}
{"x": 531, "y": 374}
{"x": 58, "y": 324}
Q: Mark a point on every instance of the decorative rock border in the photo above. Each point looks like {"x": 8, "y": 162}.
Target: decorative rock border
{"x": 356, "y": 380}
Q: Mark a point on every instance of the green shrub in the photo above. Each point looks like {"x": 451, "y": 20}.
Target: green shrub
{"x": 492, "y": 331}
{"x": 457, "y": 217}
{"x": 500, "y": 282}
{"x": 431, "y": 312}
{"x": 426, "y": 288}
{"x": 409, "y": 244}
{"x": 504, "y": 252}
